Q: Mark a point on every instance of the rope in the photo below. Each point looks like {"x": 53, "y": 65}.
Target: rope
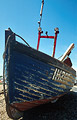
{"x": 22, "y": 39}
{"x": 60, "y": 56}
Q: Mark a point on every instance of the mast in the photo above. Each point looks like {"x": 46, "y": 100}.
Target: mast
{"x": 41, "y": 11}
{"x": 40, "y": 32}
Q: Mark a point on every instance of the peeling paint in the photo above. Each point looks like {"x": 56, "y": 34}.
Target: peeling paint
{"x": 30, "y": 79}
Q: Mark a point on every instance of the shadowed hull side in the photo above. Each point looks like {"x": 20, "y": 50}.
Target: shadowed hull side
{"x": 34, "y": 78}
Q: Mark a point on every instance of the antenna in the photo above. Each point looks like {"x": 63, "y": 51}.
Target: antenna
{"x": 39, "y": 22}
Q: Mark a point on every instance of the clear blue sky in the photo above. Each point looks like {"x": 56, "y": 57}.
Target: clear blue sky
{"x": 22, "y": 17}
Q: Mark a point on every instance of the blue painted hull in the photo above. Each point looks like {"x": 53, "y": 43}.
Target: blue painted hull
{"x": 34, "y": 77}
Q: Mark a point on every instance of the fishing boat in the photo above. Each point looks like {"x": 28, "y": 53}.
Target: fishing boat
{"x": 33, "y": 77}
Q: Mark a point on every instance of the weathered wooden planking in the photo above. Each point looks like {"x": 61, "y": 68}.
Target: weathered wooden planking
{"x": 42, "y": 57}
{"x": 34, "y": 76}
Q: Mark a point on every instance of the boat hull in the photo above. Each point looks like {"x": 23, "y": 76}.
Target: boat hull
{"x": 34, "y": 78}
